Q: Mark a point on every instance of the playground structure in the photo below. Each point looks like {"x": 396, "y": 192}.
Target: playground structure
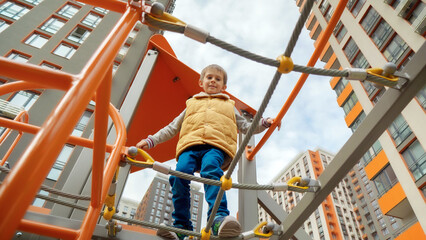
{"x": 97, "y": 76}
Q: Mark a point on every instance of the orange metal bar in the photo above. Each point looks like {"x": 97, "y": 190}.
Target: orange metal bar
{"x": 28, "y": 128}
{"x": 49, "y": 141}
{"x": 93, "y": 213}
{"x": 101, "y": 126}
{"x": 113, "y": 5}
{"x": 21, "y": 116}
{"x": 323, "y": 39}
{"x": 47, "y": 229}
{"x": 45, "y": 77}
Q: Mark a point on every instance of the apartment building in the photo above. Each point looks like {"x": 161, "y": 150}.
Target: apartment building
{"x": 156, "y": 206}
{"x": 127, "y": 208}
{"x": 62, "y": 35}
{"x": 389, "y": 181}
{"x": 335, "y": 218}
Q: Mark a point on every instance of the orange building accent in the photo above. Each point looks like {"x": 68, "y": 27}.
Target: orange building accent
{"x": 353, "y": 114}
{"x": 376, "y": 165}
{"x": 331, "y": 61}
{"x": 344, "y": 95}
{"x": 414, "y": 232}
{"x": 392, "y": 198}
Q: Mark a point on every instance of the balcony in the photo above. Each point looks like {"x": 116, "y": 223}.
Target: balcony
{"x": 376, "y": 165}
{"x": 394, "y": 203}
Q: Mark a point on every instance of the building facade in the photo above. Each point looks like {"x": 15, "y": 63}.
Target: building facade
{"x": 157, "y": 207}
{"x": 127, "y": 208}
{"x": 389, "y": 181}
{"x": 335, "y": 218}
{"x": 62, "y": 35}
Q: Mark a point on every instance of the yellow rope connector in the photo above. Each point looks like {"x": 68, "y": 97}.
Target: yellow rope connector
{"x": 286, "y": 64}
{"x": 205, "y": 235}
{"x": 261, "y": 234}
{"x": 131, "y": 154}
{"x": 389, "y": 80}
{"x": 294, "y": 180}
{"x": 226, "y": 183}
{"x": 108, "y": 213}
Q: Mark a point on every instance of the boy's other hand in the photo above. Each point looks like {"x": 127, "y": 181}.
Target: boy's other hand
{"x": 142, "y": 144}
{"x": 272, "y": 120}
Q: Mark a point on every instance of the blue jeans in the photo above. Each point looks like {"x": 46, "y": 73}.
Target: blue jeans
{"x": 207, "y": 160}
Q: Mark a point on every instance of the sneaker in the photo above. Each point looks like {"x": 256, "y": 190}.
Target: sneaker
{"x": 226, "y": 226}
{"x": 169, "y": 234}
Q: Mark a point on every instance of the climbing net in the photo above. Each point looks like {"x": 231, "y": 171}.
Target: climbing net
{"x": 155, "y": 17}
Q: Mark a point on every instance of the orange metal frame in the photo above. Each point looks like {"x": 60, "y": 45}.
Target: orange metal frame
{"x": 22, "y": 116}
{"x": 16, "y": 193}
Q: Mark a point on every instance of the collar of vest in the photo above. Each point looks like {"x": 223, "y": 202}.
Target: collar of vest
{"x": 216, "y": 95}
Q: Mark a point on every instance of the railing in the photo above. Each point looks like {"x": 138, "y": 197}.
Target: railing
{"x": 16, "y": 192}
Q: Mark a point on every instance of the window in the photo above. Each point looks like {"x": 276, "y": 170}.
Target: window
{"x": 13, "y": 10}
{"x": 82, "y": 123}
{"x": 65, "y": 50}
{"x": 351, "y": 49}
{"x": 370, "y": 20}
{"x": 3, "y": 25}
{"x": 25, "y": 99}
{"x": 372, "y": 152}
{"x": 34, "y": 2}
{"x": 92, "y": 20}
{"x": 385, "y": 180}
{"x": 79, "y": 34}
{"x": 340, "y": 31}
{"x": 60, "y": 163}
{"x": 68, "y": 10}
{"x": 399, "y": 130}
{"x": 340, "y": 86}
{"x": 357, "y": 121}
{"x": 360, "y": 61}
{"x": 415, "y": 157}
{"x": 101, "y": 10}
{"x": 53, "y": 25}
{"x": 382, "y": 33}
{"x": 396, "y": 49}
{"x": 421, "y": 97}
{"x": 350, "y": 103}
{"x": 49, "y": 65}
{"x": 40, "y": 202}
{"x": 18, "y": 57}
{"x": 355, "y": 6}
{"x": 412, "y": 12}
{"x": 36, "y": 40}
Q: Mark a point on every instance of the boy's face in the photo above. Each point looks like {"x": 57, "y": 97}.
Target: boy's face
{"x": 212, "y": 82}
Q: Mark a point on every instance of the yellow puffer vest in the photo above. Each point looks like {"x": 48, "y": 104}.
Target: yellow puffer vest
{"x": 209, "y": 119}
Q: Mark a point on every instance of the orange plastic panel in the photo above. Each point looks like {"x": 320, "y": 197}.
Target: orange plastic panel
{"x": 170, "y": 85}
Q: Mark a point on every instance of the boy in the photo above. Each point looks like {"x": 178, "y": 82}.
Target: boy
{"x": 207, "y": 143}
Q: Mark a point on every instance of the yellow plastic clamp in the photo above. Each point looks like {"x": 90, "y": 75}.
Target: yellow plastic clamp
{"x": 226, "y": 183}
{"x": 260, "y": 234}
{"x": 293, "y": 180}
{"x": 108, "y": 213}
{"x": 148, "y": 159}
{"x": 205, "y": 235}
{"x": 286, "y": 64}
{"x": 378, "y": 73}
{"x": 168, "y": 18}
{"x": 110, "y": 200}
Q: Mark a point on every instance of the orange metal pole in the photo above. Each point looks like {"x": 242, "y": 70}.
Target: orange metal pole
{"x": 44, "y": 77}
{"x": 21, "y": 116}
{"x": 28, "y": 128}
{"x": 47, "y": 229}
{"x": 113, "y": 5}
{"x": 49, "y": 141}
{"x": 93, "y": 213}
{"x": 314, "y": 58}
{"x": 103, "y": 95}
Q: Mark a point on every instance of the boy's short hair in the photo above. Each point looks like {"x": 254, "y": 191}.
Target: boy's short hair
{"x": 216, "y": 67}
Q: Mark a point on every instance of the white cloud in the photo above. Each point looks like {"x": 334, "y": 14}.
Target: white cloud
{"x": 314, "y": 119}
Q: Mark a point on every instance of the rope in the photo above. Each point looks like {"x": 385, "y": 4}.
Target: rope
{"x": 298, "y": 28}
{"x": 53, "y": 190}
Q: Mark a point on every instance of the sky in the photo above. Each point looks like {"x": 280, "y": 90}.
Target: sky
{"x": 313, "y": 121}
